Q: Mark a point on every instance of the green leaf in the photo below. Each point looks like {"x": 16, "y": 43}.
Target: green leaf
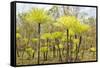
{"x": 34, "y": 40}
{"x": 30, "y": 51}
{"x": 76, "y": 41}
{"x": 71, "y": 32}
{"x": 92, "y": 49}
{"x": 57, "y": 34}
{"x": 46, "y": 36}
{"x": 18, "y": 35}
{"x": 44, "y": 49}
{"x": 59, "y": 46}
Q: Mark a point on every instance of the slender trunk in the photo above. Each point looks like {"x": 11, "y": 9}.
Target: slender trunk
{"x": 70, "y": 49}
{"x": 67, "y": 56}
{"x": 76, "y": 52}
{"x": 22, "y": 57}
{"x": 59, "y": 51}
{"x": 63, "y": 51}
{"x": 17, "y": 48}
{"x": 33, "y": 55}
{"x": 39, "y": 43}
{"x": 47, "y": 49}
{"x": 54, "y": 51}
{"x": 83, "y": 54}
{"x": 17, "y": 52}
{"x": 44, "y": 56}
{"x": 46, "y": 53}
{"x": 80, "y": 39}
{"x": 83, "y": 50}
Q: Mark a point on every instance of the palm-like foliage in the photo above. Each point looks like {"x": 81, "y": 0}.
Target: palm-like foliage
{"x": 38, "y": 16}
{"x": 62, "y": 39}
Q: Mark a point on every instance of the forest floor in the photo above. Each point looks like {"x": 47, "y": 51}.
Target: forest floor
{"x": 50, "y": 59}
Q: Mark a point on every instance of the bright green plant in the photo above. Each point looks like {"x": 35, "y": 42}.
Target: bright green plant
{"x": 38, "y": 16}
{"x": 44, "y": 50}
{"x": 57, "y": 36}
{"x": 34, "y": 40}
{"x": 18, "y": 35}
{"x": 46, "y": 37}
{"x": 30, "y": 51}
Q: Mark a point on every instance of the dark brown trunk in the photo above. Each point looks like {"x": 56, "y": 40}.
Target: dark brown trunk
{"x": 78, "y": 48}
{"x": 67, "y": 56}
{"x": 54, "y": 51}
{"x": 59, "y": 51}
{"x": 70, "y": 49}
{"x": 39, "y": 43}
{"x": 33, "y": 56}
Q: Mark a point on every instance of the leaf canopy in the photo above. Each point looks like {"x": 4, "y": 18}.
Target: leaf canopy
{"x": 57, "y": 34}
{"x": 38, "y": 15}
{"x": 68, "y": 21}
{"x": 46, "y": 36}
{"x": 73, "y": 24}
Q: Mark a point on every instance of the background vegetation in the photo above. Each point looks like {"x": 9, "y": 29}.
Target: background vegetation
{"x": 55, "y": 35}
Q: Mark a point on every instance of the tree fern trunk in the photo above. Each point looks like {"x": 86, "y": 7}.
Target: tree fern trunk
{"x": 59, "y": 51}
{"x": 53, "y": 50}
{"x": 47, "y": 50}
{"x": 80, "y": 39}
{"x": 39, "y": 43}
{"x": 70, "y": 49}
{"x": 67, "y": 56}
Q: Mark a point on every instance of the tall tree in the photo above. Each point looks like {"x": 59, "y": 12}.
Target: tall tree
{"x": 38, "y": 16}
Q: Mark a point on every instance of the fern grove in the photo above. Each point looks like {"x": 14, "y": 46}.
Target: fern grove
{"x": 55, "y": 36}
